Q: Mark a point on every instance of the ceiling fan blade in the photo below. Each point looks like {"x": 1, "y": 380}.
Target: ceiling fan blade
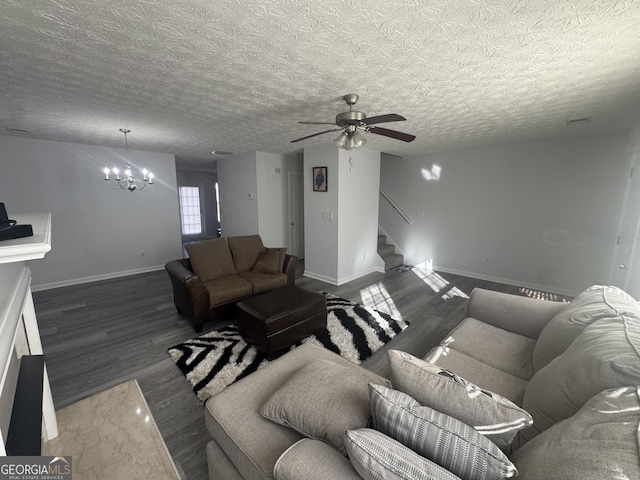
{"x": 317, "y": 123}
{"x": 315, "y": 135}
{"x": 405, "y": 137}
{"x": 390, "y": 117}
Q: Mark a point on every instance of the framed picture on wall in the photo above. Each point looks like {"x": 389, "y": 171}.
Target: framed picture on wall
{"x": 319, "y": 179}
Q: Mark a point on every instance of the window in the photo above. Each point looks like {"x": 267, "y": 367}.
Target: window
{"x": 190, "y": 210}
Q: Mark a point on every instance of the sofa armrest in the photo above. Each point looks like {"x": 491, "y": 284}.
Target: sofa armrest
{"x": 290, "y": 266}
{"x": 522, "y": 315}
{"x": 310, "y": 459}
{"x": 190, "y": 296}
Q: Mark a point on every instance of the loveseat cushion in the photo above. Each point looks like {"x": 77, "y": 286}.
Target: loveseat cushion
{"x": 245, "y": 250}
{"x": 605, "y": 355}
{"x": 509, "y": 352}
{"x": 376, "y": 456}
{"x": 599, "y": 442}
{"x": 323, "y": 400}
{"x": 228, "y": 288}
{"x": 450, "y": 443}
{"x": 264, "y": 282}
{"x": 490, "y": 378}
{"x": 593, "y": 304}
{"x": 313, "y": 460}
{"x": 210, "y": 259}
{"x": 494, "y": 416}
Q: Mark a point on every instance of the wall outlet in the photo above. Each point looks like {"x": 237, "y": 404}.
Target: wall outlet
{"x": 327, "y": 215}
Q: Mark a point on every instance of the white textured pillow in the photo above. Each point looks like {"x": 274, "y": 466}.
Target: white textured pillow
{"x": 491, "y": 414}
{"x": 440, "y": 438}
{"x": 323, "y": 400}
{"x": 376, "y": 456}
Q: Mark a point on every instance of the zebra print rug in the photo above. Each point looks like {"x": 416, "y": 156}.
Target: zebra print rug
{"x": 217, "y": 359}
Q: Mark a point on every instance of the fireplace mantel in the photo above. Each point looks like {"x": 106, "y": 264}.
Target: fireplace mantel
{"x": 19, "y": 334}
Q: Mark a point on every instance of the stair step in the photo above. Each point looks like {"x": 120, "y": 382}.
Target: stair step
{"x": 382, "y": 239}
{"x": 386, "y": 250}
{"x": 393, "y": 261}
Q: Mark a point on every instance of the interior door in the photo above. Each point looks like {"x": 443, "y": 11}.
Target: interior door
{"x": 296, "y": 214}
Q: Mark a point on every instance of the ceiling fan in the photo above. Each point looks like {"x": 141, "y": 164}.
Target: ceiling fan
{"x": 352, "y": 121}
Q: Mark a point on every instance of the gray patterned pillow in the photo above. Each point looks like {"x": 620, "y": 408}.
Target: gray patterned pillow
{"x": 446, "y": 441}
{"x": 491, "y": 414}
{"x": 376, "y": 456}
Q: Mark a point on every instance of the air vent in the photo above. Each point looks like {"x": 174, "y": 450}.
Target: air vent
{"x": 578, "y": 121}
{"x": 21, "y": 131}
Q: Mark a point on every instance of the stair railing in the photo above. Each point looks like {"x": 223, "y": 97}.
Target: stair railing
{"x": 396, "y": 207}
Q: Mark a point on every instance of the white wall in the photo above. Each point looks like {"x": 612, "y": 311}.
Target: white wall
{"x": 359, "y": 184}
{"x": 334, "y": 248}
{"x": 542, "y": 214}
{"x": 238, "y": 194}
{"x": 96, "y": 232}
{"x": 273, "y": 196}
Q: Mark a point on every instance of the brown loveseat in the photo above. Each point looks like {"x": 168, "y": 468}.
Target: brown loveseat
{"x": 222, "y": 271}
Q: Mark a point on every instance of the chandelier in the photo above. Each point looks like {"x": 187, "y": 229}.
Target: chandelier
{"x": 127, "y": 181}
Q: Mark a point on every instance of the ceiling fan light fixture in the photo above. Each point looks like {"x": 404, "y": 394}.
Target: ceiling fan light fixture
{"x": 341, "y": 141}
{"x": 358, "y": 140}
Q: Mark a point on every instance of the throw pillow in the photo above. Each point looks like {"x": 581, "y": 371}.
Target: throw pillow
{"x": 595, "y": 303}
{"x": 210, "y": 259}
{"x": 442, "y": 439}
{"x": 491, "y": 414}
{"x": 270, "y": 261}
{"x": 600, "y": 441}
{"x": 322, "y": 400}
{"x": 376, "y": 456}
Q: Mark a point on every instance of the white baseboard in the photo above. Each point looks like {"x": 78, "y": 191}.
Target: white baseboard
{"x": 508, "y": 281}
{"x": 94, "y": 278}
{"x": 342, "y": 280}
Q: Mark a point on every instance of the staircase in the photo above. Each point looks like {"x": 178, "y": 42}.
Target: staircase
{"x": 387, "y": 253}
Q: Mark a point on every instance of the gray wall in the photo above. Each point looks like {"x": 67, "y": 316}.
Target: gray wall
{"x": 541, "y": 214}
{"x": 96, "y": 232}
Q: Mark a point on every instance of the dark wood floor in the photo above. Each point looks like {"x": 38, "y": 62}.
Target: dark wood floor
{"x": 98, "y": 335}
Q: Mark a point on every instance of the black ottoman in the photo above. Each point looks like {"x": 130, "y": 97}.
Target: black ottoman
{"x": 275, "y": 320}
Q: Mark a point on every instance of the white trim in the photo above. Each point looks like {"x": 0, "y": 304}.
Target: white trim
{"x": 507, "y": 281}
{"x": 343, "y": 280}
{"x": 94, "y": 278}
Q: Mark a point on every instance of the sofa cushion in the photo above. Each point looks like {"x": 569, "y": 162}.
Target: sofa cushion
{"x": 496, "y": 417}
{"x": 313, "y": 460}
{"x": 270, "y": 261}
{"x": 502, "y": 383}
{"x": 250, "y": 441}
{"x": 226, "y": 289}
{"x": 450, "y": 443}
{"x": 598, "y": 442}
{"x": 210, "y": 259}
{"x": 504, "y": 350}
{"x": 376, "y": 456}
{"x": 245, "y": 250}
{"x": 323, "y": 400}
{"x": 263, "y": 282}
{"x": 605, "y": 355}
{"x": 593, "y": 304}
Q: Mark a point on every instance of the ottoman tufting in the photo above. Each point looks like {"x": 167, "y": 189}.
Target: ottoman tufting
{"x": 275, "y": 320}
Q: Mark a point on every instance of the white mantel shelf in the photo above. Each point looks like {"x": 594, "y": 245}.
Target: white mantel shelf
{"x": 28, "y": 248}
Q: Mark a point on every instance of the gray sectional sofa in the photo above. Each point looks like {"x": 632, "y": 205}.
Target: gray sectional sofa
{"x": 550, "y": 390}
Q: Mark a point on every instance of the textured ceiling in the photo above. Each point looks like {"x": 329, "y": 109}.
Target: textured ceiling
{"x": 191, "y": 76}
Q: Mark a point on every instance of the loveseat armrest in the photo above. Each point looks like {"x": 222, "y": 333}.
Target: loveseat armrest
{"x": 289, "y": 268}
{"x": 310, "y": 459}
{"x": 514, "y": 313}
{"x": 190, "y": 296}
